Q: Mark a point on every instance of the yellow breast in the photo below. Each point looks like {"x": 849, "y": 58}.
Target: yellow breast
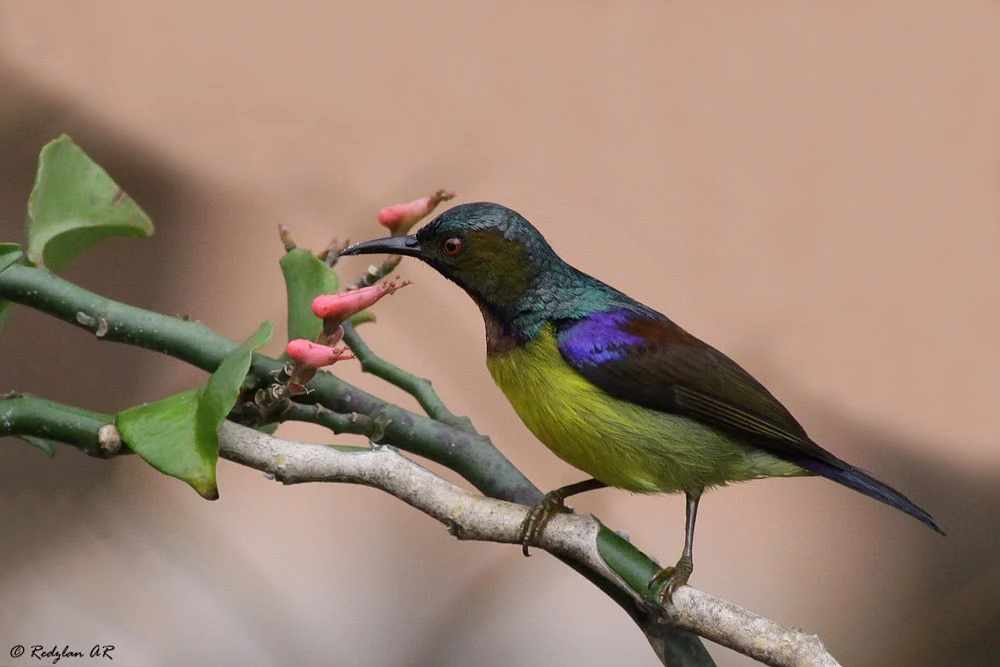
{"x": 617, "y": 442}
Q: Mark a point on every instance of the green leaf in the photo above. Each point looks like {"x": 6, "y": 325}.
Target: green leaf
{"x": 47, "y": 446}
{"x": 75, "y": 204}
{"x": 179, "y": 435}
{"x": 164, "y": 434}
{"x": 10, "y": 253}
{"x": 306, "y": 277}
{"x": 222, "y": 389}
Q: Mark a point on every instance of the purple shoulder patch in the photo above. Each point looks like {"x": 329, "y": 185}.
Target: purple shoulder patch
{"x": 599, "y": 338}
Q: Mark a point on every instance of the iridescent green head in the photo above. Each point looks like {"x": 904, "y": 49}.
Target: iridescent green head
{"x": 489, "y": 250}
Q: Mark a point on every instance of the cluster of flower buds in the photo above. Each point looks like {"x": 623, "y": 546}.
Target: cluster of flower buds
{"x": 334, "y": 310}
{"x": 400, "y": 218}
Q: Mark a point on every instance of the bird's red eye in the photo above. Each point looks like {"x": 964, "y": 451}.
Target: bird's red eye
{"x": 452, "y": 246}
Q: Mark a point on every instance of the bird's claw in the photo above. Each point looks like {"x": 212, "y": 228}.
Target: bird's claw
{"x": 669, "y": 579}
{"x": 539, "y": 516}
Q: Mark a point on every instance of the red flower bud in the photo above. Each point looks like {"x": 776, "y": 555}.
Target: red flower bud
{"x": 400, "y": 218}
{"x": 336, "y": 308}
{"x": 309, "y": 355}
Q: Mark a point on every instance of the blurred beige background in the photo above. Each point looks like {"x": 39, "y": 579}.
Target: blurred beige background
{"x": 813, "y": 187}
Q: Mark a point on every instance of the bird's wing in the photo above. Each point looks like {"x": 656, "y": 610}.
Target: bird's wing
{"x": 643, "y": 357}
{"x": 650, "y": 361}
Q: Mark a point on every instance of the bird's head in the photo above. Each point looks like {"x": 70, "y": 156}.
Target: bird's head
{"x": 490, "y": 251}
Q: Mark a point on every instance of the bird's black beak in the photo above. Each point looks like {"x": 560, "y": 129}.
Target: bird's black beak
{"x": 394, "y": 245}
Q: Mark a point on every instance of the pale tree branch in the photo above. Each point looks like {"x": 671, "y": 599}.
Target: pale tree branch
{"x": 470, "y": 516}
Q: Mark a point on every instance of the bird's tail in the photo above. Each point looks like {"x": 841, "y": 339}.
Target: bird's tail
{"x": 864, "y": 483}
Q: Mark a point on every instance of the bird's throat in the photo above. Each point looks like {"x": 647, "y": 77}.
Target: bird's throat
{"x": 498, "y": 341}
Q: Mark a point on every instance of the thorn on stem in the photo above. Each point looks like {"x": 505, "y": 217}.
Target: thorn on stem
{"x": 109, "y": 440}
{"x": 286, "y": 238}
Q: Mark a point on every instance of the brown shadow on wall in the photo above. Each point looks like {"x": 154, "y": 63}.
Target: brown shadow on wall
{"x": 953, "y": 617}
{"x": 42, "y": 356}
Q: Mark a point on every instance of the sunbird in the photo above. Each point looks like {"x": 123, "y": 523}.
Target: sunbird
{"x": 612, "y": 386}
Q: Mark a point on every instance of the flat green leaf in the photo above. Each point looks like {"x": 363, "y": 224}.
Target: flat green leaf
{"x": 223, "y": 388}
{"x": 47, "y": 446}
{"x": 164, "y": 435}
{"x": 179, "y": 435}
{"x": 10, "y": 253}
{"x": 75, "y": 204}
{"x": 306, "y": 277}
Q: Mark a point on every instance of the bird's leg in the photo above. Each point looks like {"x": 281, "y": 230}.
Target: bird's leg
{"x": 550, "y": 505}
{"x": 672, "y": 578}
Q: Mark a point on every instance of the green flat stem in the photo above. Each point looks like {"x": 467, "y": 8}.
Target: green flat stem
{"x": 419, "y": 388}
{"x": 24, "y": 414}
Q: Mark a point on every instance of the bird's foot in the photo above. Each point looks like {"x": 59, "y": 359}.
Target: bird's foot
{"x": 669, "y": 579}
{"x": 531, "y": 528}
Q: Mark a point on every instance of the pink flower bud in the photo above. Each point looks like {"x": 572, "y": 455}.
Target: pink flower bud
{"x": 337, "y": 308}
{"x": 307, "y": 354}
{"x": 400, "y": 218}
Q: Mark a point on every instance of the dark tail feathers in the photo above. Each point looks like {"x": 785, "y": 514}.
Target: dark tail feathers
{"x": 853, "y": 478}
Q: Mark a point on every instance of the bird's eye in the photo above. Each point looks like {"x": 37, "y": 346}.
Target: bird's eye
{"x": 452, "y": 246}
